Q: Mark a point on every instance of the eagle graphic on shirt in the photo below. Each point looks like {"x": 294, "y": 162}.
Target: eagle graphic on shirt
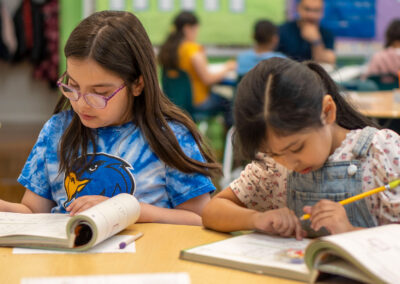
{"x": 105, "y": 175}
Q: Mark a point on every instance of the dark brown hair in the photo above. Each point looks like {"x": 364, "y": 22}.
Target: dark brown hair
{"x": 393, "y": 32}
{"x": 287, "y": 96}
{"x": 168, "y": 55}
{"x": 118, "y": 42}
{"x": 264, "y": 31}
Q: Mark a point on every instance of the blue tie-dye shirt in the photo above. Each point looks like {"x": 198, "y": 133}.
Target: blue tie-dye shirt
{"x": 124, "y": 162}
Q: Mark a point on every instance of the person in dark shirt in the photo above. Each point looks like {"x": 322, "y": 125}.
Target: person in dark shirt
{"x": 304, "y": 38}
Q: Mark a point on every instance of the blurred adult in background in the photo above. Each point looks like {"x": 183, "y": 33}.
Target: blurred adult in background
{"x": 181, "y": 51}
{"x": 266, "y": 39}
{"x": 304, "y": 38}
{"x": 387, "y": 61}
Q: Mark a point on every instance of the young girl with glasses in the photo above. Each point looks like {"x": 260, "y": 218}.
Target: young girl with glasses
{"x": 310, "y": 149}
{"x": 115, "y": 132}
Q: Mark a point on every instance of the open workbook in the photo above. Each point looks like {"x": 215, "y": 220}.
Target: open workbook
{"x": 369, "y": 255}
{"x": 61, "y": 231}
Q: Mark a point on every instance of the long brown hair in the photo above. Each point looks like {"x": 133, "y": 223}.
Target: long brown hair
{"x": 168, "y": 55}
{"x": 118, "y": 42}
{"x": 287, "y": 96}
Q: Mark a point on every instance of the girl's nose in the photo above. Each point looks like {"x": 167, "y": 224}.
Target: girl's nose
{"x": 82, "y": 104}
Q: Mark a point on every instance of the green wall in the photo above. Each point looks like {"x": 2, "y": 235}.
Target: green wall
{"x": 221, "y": 27}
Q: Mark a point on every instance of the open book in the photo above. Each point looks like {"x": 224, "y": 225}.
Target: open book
{"x": 61, "y": 231}
{"x": 369, "y": 255}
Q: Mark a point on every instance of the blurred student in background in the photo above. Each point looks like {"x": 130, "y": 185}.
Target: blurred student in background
{"x": 387, "y": 61}
{"x": 266, "y": 39}
{"x": 304, "y": 38}
{"x": 181, "y": 51}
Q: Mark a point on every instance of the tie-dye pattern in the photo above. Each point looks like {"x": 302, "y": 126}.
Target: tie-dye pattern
{"x": 154, "y": 182}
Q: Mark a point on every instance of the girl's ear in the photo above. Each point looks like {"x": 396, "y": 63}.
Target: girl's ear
{"x": 138, "y": 86}
{"x": 328, "y": 114}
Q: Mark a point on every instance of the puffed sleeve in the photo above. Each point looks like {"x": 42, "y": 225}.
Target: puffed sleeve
{"x": 385, "y": 151}
{"x": 262, "y": 184}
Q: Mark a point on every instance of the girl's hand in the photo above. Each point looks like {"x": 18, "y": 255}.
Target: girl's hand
{"x": 329, "y": 214}
{"x": 230, "y": 65}
{"x": 282, "y": 222}
{"x": 84, "y": 202}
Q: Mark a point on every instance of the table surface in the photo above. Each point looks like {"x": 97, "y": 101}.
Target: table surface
{"x": 375, "y": 104}
{"x": 156, "y": 252}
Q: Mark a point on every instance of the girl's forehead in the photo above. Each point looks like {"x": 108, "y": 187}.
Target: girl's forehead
{"x": 275, "y": 142}
{"x": 88, "y": 71}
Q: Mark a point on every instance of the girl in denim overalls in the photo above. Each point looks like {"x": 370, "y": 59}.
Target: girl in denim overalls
{"x": 310, "y": 149}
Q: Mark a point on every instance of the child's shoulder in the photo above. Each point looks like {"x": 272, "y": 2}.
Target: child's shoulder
{"x": 178, "y": 128}
{"x": 59, "y": 120}
{"x": 190, "y": 47}
{"x": 385, "y": 137}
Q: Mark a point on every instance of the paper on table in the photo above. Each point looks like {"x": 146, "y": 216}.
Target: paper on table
{"x": 217, "y": 67}
{"x": 165, "y": 278}
{"x": 110, "y": 245}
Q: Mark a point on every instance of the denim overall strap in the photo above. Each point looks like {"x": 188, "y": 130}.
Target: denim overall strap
{"x": 334, "y": 181}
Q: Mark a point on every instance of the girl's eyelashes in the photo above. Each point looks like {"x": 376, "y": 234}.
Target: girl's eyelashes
{"x": 298, "y": 149}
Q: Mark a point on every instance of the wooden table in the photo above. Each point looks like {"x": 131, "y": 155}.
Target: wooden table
{"x": 375, "y": 104}
{"x": 157, "y": 251}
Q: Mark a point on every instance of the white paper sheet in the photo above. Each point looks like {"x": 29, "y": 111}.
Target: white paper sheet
{"x": 108, "y": 246}
{"x": 156, "y": 278}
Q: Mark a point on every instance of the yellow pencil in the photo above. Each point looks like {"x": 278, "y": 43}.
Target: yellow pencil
{"x": 391, "y": 185}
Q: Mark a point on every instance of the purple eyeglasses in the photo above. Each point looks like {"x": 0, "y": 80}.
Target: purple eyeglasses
{"x": 94, "y": 100}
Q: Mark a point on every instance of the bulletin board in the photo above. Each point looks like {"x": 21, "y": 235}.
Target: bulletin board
{"x": 222, "y": 22}
{"x": 350, "y": 18}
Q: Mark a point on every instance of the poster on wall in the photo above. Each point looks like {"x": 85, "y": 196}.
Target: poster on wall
{"x": 140, "y": 5}
{"x": 189, "y": 5}
{"x": 118, "y": 5}
{"x": 237, "y": 6}
{"x": 211, "y": 5}
{"x": 166, "y": 5}
{"x": 346, "y": 18}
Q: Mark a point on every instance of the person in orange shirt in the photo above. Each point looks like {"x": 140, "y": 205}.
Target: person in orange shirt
{"x": 181, "y": 51}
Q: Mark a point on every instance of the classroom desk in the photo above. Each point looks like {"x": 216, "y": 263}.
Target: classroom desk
{"x": 375, "y": 104}
{"x": 157, "y": 251}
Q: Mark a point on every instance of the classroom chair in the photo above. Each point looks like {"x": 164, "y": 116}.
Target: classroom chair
{"x": 176, "y": 85}
{"x": 229, "y": 172}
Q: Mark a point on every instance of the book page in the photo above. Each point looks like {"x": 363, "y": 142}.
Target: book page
{"x": 377, "y": 249}
{"x": 113, "y": 215}
{"x": 48, "y": 225}
{"x": 259, "y": 249}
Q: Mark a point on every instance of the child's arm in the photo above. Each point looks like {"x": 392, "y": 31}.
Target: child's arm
{"x": 186, "y": 213}
{"x": 200, "y": 64}
{"x": 30, "y": 203}
{"x": 226, "y": 213}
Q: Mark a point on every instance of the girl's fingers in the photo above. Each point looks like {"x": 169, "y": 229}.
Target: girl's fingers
{"x": 285, "y": 223}
{"x": 83, "y": 208}
{"x": 298, "y": 230}
{"x": 307, "y": 209}
{"x": 77, "y": 207}
{"x": 321, "y": 219}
